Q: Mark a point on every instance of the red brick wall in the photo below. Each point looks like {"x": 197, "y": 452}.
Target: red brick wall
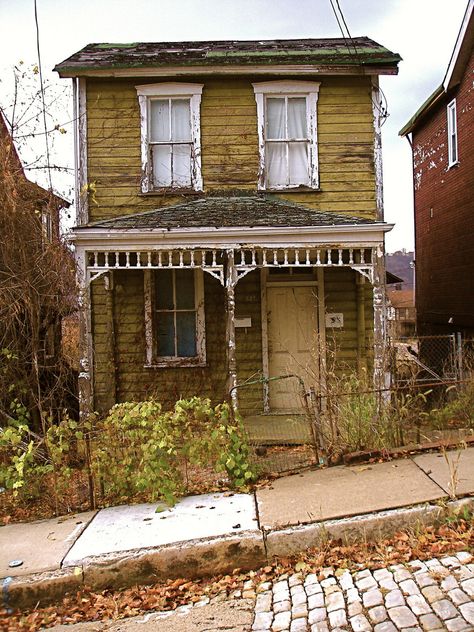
{"x": 444, "y": 216}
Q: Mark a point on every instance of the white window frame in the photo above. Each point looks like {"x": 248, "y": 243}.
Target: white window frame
{"x": 307, "y": 89}
{"x": 148, "y": 92}
{"x": 452, "y": 128}
{"x": 152, "y": 359}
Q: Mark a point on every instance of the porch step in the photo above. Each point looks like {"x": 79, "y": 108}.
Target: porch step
{"x": 278, "y": 429}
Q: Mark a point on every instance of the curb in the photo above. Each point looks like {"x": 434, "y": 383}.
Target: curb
{"x": 200, "y": 558}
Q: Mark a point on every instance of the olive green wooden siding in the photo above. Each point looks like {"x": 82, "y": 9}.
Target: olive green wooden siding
{"x": 119, "y": 341}
{"x": 134, "y": 381}
{"x": 230, "y": 145}
{"x": 342, "y": 344}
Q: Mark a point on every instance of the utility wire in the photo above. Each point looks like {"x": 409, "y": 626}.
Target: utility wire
{"x": 48, "y": 165}
{"x": 381, "y": 107}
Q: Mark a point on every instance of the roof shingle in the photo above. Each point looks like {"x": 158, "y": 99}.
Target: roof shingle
{"x": 358, "y": 51}
{"x": 231, "y": 212}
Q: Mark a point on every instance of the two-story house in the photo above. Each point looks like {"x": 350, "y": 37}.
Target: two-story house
{"x": 442, "y": 140}
{"x": 230, "y": 218}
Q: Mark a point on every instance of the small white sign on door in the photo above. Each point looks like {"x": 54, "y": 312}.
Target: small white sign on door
{"x": 335, "y": 320}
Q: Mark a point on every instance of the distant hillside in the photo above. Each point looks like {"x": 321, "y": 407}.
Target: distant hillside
{"x": 399, "y": 263}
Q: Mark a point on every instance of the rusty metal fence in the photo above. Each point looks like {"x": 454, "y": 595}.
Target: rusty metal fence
{"x": 428, "y": 358}
{"x": 430, "y": 398}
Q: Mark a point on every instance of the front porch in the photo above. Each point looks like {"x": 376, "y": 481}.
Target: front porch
{"x": 206, "y": 296}
{"x": 271, "y": 312}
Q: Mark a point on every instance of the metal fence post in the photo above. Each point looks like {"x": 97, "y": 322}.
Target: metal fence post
{"x": 459, "y": 357}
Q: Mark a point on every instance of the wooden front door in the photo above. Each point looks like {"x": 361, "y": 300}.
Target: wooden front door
{"x": 292, "y": 343}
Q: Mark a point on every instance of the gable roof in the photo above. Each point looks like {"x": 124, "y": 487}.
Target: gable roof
{"x": 30, "y": 188}
{"x": 233, "y": 211}
{"x": 459, "y": 58}
{"x": 359, "y": 53}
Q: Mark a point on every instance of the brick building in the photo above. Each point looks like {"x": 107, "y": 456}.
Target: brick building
{"x": 441, "y": 134}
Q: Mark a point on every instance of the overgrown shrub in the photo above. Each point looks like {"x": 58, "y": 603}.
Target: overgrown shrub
{"x": 139, "y": 448}
{"x": 137, "y": 451}
{"x": 458, "y": 411}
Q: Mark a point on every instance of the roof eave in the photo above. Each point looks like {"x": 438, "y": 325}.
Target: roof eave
{"x": 422, "y": 111}
{"x": 462, "y": 49}
{"x": 231, "y": 69}
{"x": 265, "y": 236}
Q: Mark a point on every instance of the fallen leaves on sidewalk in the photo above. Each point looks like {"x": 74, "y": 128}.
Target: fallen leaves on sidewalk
{"x": 88, "y": 605}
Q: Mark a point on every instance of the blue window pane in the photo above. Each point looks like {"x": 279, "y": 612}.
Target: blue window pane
{"x": 165, "y": 334}
{"x": 164, "y": 289}
{"x": 185, "y": 289}
{"x": 186, "y": 330}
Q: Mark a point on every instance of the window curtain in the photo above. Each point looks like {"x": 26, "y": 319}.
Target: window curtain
{"x": 170, "y": 123}
{"x": 287, "y": 161}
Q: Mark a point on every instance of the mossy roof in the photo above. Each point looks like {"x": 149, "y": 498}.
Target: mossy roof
{"x": 358, "y": 51}
{"x": 230, "y": 211}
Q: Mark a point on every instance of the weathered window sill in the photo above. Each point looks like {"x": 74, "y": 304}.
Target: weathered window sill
{"x": 176, "y": 365}
{"x": 162, "y": 192}
{"x": 291, "y": 190}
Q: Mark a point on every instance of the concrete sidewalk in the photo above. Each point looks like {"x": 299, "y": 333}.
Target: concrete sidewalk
{"x": 216, "y": 533}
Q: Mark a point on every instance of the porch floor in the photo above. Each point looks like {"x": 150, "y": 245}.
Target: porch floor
{"x": 278, "y": 429}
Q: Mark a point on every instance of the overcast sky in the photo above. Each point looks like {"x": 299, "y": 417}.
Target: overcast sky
{"x": 422, "y": 31}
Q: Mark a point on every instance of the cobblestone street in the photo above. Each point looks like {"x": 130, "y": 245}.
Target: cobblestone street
{"x": 433, "y": 595}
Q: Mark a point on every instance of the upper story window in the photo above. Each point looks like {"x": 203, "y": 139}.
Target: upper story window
{"x": 287, "y": 130}
{"x": 170, "y": 136}
{"x": 452, "y": 134}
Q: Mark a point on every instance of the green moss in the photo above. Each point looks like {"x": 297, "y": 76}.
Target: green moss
{"x": 106, "y": 46}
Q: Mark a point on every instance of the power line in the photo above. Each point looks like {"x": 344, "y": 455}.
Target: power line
{"x": 382, "y": 108}
{"x": 48, "y": 166}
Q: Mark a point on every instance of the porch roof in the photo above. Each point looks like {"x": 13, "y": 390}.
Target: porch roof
{"x": 230, "y": 212}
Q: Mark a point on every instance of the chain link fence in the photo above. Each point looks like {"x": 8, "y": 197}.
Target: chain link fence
{"x": 430, "y": 398}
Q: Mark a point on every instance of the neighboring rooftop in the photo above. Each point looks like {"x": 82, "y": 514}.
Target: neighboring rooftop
{"x": 457, "y": 64}
{"x": 360, "y": 53}
{"x": 230, "y": 211}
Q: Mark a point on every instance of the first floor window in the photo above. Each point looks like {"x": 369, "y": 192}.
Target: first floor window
{"x": 175, "y": 316}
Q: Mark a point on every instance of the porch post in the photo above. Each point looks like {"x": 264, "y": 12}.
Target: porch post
{"x": 85, "y": 373}
{"x": 380, "y": 314}
{"x": 230, "y": 283}
{"x": 361, "y": 335}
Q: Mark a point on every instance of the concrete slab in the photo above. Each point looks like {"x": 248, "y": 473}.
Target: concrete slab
{"x": 453, "y": 472}
{"x": 41, "y": 546}
{"x": 338, "y": 492}
{"x": 119, "y": 529}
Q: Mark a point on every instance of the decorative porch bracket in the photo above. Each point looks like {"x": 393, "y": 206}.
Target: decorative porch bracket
{"x": 365, "y": 271}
